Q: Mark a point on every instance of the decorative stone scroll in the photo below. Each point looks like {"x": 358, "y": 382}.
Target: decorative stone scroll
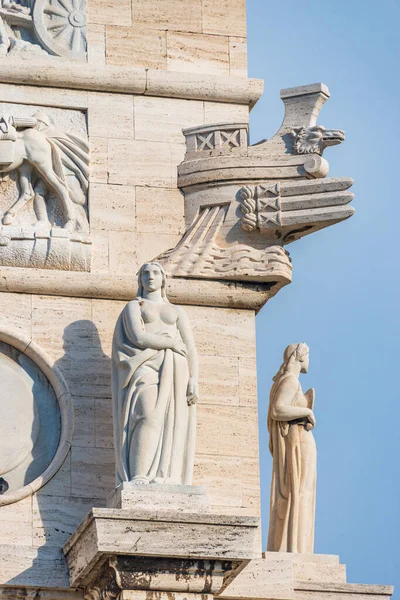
{"x": 40, "y": 27}
{"x": 244, "y": 202}
{"x": 43, "y": 190}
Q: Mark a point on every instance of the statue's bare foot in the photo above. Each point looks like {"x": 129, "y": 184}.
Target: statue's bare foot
{"x": 140, "y": 481}
{"x": 8, "y": 218}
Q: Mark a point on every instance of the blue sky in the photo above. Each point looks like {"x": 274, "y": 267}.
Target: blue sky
{"x": 345, "y": 297}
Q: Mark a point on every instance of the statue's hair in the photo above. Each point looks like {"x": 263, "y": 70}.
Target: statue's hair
{"x": 163, "y": 284}
{"x": 292, "y": 353}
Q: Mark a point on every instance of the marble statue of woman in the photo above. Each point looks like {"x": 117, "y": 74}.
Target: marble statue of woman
{"x": 292, "y": 445}
{"x": 154, "y": 386}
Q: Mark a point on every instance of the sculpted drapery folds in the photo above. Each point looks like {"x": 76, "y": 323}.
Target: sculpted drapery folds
{"x": 292, "y": 445}
{"x": 154, "y": 385}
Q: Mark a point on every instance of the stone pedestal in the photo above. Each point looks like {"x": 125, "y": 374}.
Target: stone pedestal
{"x": 167, "y": 549}
{"x": 180, "y": 498}
{"x": 288, "y": 576}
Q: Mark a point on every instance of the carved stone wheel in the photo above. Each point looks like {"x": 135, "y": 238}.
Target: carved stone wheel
{"x": 60, "y": 26}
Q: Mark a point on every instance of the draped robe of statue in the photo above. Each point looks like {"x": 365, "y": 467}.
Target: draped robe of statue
{"x": 164, "y": 375}
{"x": 293, "y": 488}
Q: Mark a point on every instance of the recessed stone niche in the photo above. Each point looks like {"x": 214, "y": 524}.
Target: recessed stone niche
{"x": 36, "y": 418}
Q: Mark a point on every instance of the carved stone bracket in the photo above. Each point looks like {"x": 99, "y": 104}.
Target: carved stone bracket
{"x": 244, "y": 202}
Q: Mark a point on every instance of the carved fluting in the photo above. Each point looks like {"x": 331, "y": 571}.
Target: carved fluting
{"x": 40, "y": 27}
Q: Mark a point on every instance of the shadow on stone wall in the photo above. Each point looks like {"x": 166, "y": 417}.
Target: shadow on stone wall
{"x": 87, "y": 475}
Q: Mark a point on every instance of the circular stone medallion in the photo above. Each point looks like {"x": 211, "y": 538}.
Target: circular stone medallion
{"x": 30, "y": 419}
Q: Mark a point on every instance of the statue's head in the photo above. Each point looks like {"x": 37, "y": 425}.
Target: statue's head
{"x": 297, "y": 353}
{"x": 152, "y": 277}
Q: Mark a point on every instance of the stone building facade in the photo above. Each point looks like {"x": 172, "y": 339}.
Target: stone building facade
{"x": 119, "y": 100}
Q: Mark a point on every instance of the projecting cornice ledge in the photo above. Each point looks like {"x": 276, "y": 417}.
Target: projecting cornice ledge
{"x": 131, "y": 80}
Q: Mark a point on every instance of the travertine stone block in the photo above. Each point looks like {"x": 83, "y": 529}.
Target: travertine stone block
{"x": 100, "y": 251}
{"x": 62, "y": 332}
{"x": 277, "y": 574}
{"x": 217, "y": 112}
{"x": 103, "y": 423}
{"x": 128, "y": 251}
{"x": 162, "y": 119}
{"x": 159, "y": 497}
{"x": 60, "y": 484}
{"x": 198, "y": 53}
{"x": 84, "y": 422}
{"x": 16, "y": 522}
{"x": 132, "y": 80}
{"x": 159, "y": 210}
{"x": 319, "y": 567}
{"x": 26, "y": 94}
{"x": 247, "y": 381}
{"x": 178, "y": 15}
{"x": 98, "y": 160}
{"x": 96, "y": 44}
{"x": 105, "y": 532}
{"x": 105, "y": 315}
{"x": 219, "y": 380}
{"x": 223, "y": 333}
{"x": 92, "y": 473}
{"x": 236, "y": 425}
{"x": 227, "y": 17}
{"x": 109, "y": 12}
{"x": 54, "y": 519}
{"x": 220, "y": 478}
{"x": 131, "y": 46}
{"x": 110, "y": 116}
{"x": 347, "y": 591}
{"x": 112, "y": 207}
{"x": 132, "y": 162}
{"x": 26, "y": 566}
{"x": 20, "y": 318}
{"x": 250, "y": 471}
{"x": 238, "y": 56}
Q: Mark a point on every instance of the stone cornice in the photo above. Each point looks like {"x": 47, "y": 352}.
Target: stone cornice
{"x": 130, "y": 80}
{"x": 226, "y": 294}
